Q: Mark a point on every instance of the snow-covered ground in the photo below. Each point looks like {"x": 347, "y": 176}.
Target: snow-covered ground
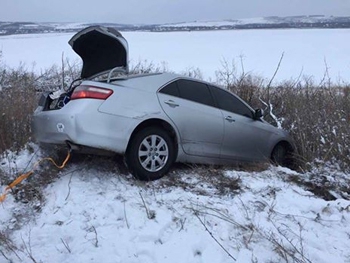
{"x": 311, "y": 52}
{"x": 95, "y": 212}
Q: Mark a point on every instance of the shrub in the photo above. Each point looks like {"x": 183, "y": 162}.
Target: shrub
{"x": 20, "y": 90}
{"x": 17, "y": 102}
{"x": 317, "y": 116}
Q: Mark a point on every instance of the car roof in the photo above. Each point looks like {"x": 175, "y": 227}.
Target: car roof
{"x": 154, "y": 81}
{"x": 150, "y": 82}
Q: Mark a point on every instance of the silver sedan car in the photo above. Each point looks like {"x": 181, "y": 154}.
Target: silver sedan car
{"x": 153, "y": 120}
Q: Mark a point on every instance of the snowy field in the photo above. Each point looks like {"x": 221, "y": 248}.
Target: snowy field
{"x": 307, "y": 52}
{"x": 95, "y": 212}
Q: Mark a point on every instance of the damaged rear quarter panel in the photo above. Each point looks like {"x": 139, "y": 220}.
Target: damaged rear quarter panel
{"x": 132, "y": 103}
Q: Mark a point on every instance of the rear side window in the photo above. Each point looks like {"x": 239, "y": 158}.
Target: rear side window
{"x": 189, "y": 90}
{"x": 228, "y": 102}
{"x": 171, "y": 89}
{"x": 195, "y": 91}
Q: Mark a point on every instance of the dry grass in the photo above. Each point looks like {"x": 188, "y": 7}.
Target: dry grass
{"x": 17, "y": 102}
{"x": 7, "y": 246}
{"x": 204, "y": 180}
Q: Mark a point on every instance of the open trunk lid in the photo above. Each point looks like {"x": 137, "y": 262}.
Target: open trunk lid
{"x": 101, "y": 49}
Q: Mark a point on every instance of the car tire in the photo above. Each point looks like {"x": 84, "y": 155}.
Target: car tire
{"x": 281, "y": 155}
{"x": 150, "y": 154}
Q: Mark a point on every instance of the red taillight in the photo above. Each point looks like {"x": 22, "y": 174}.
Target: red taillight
{"x": 91, "y": 92}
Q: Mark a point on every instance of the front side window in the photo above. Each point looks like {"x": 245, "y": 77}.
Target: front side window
{"x": 228, "y": 102}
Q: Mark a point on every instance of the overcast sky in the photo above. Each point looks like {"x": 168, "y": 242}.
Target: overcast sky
{"x": 162, "y": 11}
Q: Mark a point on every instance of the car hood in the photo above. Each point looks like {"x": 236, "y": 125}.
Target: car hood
{"x": 101, "y": 49}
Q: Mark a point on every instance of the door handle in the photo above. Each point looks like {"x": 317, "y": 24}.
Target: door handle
{"x": 229, "y": 119}
{"x": 171, "y": 103}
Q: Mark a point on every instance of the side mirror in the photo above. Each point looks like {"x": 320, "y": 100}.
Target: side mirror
{"x": 258, "y": 114}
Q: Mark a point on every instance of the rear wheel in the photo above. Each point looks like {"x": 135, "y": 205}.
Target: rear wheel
{"x": 150, "y": 154}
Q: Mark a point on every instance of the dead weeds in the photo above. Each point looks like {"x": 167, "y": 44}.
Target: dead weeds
{"x": 324, "y": 184}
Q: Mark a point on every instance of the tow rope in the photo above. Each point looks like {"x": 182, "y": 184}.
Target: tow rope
{"x": 20, "y": 178}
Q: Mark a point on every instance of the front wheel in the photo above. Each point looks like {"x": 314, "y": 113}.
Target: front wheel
{"x": 150, "y": 154}
{"x": 282, "y": 155}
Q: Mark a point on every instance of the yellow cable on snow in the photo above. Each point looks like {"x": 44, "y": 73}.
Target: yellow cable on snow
{"x": 26, "y": 175}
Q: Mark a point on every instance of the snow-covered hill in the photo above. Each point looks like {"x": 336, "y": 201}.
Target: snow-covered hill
{"x": 94, "y": 211}
{"x": 9, "y": 28}
{"x": 261, "y": 21}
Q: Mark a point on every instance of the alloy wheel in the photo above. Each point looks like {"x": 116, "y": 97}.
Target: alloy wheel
{"x": 153, "y": 153}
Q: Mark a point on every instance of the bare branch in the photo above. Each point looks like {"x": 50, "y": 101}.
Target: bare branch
{"x": 96, "y": 238}
{"x": 213, "y": 237}
{"x": 28, "y": 247}
{"x": 150, "y": 214}
{"x": 126, "y": 219}
{"x": 277, "y": 69}
{"x": 66, "y": 246}
{"x": 182, "y": 222}
{"x": 69, "y": 182}
{"x": 3, "y": 254}
{"x": 92, "y": 229}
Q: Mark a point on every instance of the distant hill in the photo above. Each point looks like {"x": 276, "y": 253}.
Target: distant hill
{"x": 315, "y": 21}
{"x": 263, "y": 23}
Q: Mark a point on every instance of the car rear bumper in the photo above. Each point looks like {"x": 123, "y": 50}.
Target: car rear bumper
{"x": 80, "y": 122}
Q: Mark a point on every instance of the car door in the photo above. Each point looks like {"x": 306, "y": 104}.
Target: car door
{"x": 190, "y": 105}
{"x": 244, "y": 137}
